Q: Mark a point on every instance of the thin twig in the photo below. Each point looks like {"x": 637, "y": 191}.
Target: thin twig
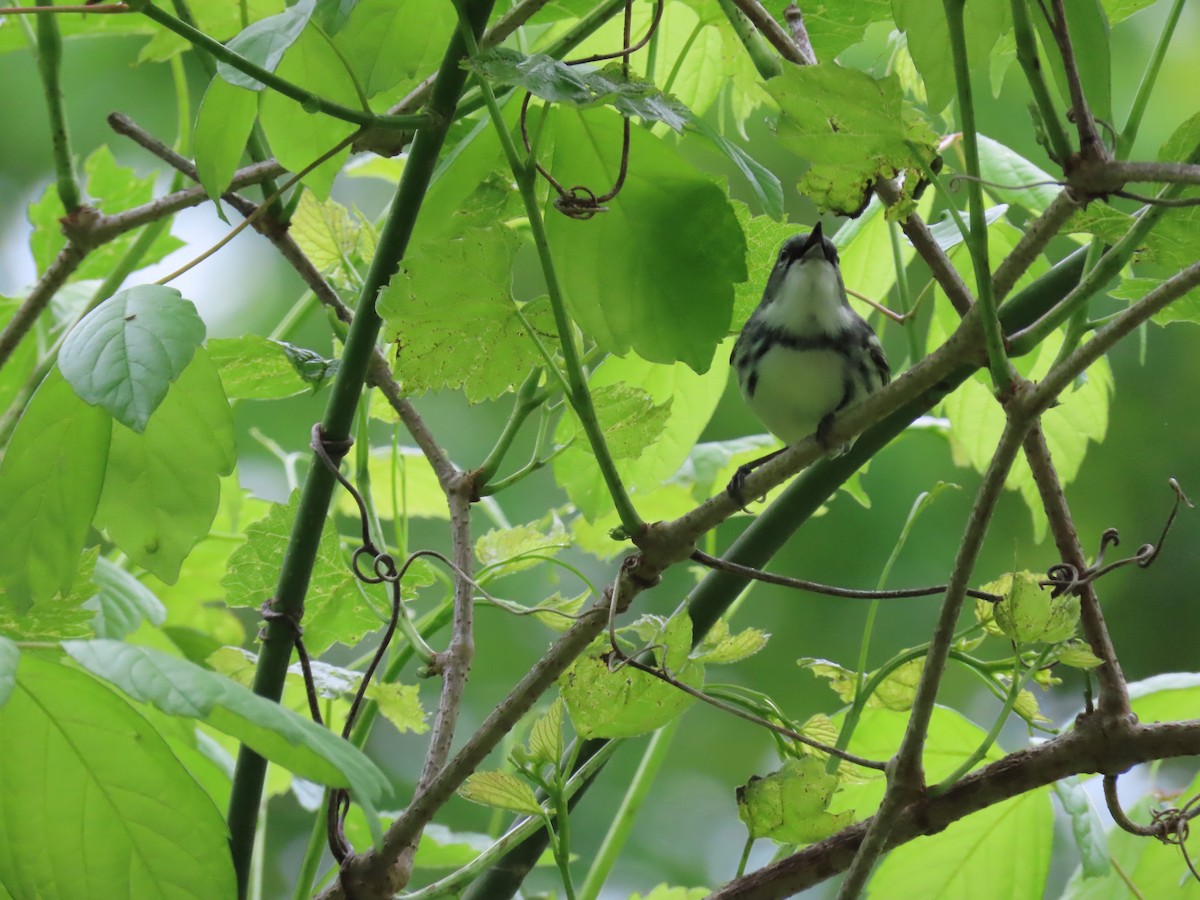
{"x": 715, "y": 562}
{"x": 1091, "y": 147}
{"x": 773, "y": 32}
{"x": 1154, "y": 172}
{"x": 56, "y": 275}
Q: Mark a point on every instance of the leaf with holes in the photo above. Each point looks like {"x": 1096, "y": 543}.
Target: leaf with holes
{"x": 126, "y": 352}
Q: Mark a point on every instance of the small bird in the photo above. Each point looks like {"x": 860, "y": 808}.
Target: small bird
{"x": 804, "y": 354}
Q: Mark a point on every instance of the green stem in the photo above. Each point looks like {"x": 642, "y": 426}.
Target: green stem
{"x": 1129, "y": 133}
{"x": 619, "y": 829}
{"x": 310, "y": 101}
{"x": 527, "y": 400}
{"x": 993, "y": 338}
{"x": 902, "y": 292}
{"x": 49, "y": 53}
{"x": 765, "y": 60}
{"x": 1027, "y": 56}
{"x": 576, "y": 382}
{"x": 1019, "y": 681}
{"x": 339, "y": 416}
{"x": 562, "y": 839}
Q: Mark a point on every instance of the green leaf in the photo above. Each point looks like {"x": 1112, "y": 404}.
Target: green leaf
{"x": 400, "y": 704}
{"x": 253, "y": 367}
{"x": 50, "y": 482}
{"x": 391, "y": 44}
{"x": 1014, "y": 179}
{"x": 731, "y": 648}
{"x": 1183, "y": 309}
{"x": 1006, "y": 847}
{"x": 552, "y": 79}
{"x": 325, "y": 232}
{"x": 692, "y": 401}
{"x": 501, "y": 791}
{"x": 1086, "y": 827}
{"x": 947, "y": 234}
{"x": 297, "y": 137}
{"x": 928, "y": 33}
{"x": 123, "y": 603}
{"x": 181, "y": 688}
{"x": 10, "y": 656}
{"x": 672, "y": 304}
{"x": 463, "y": 331}
{"x": 853, "y": 129}
{"x": 630, "y": 419}
{"x": 835, "y": 25}
{"x": 546, "y": 737}
{"x": 110, "y": 797}
{"x": 790, "y": 805}
{"x": 1027, "y": 614}
{"x": 223, "y": 126}
{"x": 503, "y": 551}
{"x": 1078, "y": 655}
{"x": 111, "y": 189}
{"x": 126, "y": 352}
{"x": 334, "y": 607}
{"x": 162, "y": 486}
{"x": 629, "y": 702}
{"x": 265, "y": 42}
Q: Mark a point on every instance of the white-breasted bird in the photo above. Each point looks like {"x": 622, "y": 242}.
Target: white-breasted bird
{"x": 804, "y": 354}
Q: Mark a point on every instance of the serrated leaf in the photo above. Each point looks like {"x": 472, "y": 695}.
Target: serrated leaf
{"x": 123, "y": 603}
{"x": 126, "y": 352}
{"x": 790, "y": 805}
{"x": 735, "y": 647}
{"x": 325, "y": 232}
{"x": 503, "y": 551}
{"x": 181, "y": 688}
{"x": 670, "y": 305}
{"x": 546, "y": 738}
{"x": 223, "y": 125}
{"x": 1027, "y": 613}
{"x": 50, "y": 482}
{"x": 1184, "y": 309}
{"x": 853, "y": 129}
{"x": 334, "y": 608}
{"x": 162, "y": 486}
{"x": 1078, "y": 655}
{"x": 401, "y": 705}
{"x": 255, "y": 368}
{"x": 463, "y": 332}
{"x": 501, "y": 791}
{"x": 109, "y": 794}
{"x": 630, "y": 419}
{"x": 265, "y": 42}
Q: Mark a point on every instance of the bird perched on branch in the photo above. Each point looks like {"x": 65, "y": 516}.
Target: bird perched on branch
{"x": 804, "y": 354}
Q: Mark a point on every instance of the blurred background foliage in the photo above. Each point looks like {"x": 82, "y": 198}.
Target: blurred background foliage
{"x": 1154, "y": 433}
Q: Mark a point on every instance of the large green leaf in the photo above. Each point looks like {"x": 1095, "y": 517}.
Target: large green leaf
{"x": 655, "y": 273}
{"x": 50, "y": 483}
{"x": 162, "y": 486}
{"x": 390, "y": 43}
{"x": 182, "y": 688}
{"x": 334, "y": 608}
{"x": 93, "y": 803}
{"x": 126, "y": 352}
{"x": 223, "y": 125}
{"x": 852, "y": 127}
{"x": 451, "y": 312}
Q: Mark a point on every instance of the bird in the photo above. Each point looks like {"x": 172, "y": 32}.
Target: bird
{"x": 804, "y": 355}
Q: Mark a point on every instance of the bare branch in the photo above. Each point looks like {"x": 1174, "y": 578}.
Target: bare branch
{"x": 55, "y": 277}
{"x": 773, "y": 32}
{"x": 1091, "y": 147}
{"x": 1037, "y": 235}
{"x": 1159, "y": 172}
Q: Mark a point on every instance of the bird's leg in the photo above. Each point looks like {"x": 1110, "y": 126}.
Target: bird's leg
{"x": 738, "y": 481}
{"x": 823, "y": 428}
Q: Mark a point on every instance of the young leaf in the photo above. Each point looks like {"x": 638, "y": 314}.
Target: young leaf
{"x": 400, "y": 704}
{"x": 732, "y": 647}
{"x": 110, "y": 795}
{"x": 546, "y": 738}
{"x": 126, "y": 352}
{"x": 501, "y": 791}
{"x": 255, "y": 368}
{"x": 162, "y": 486}
{"x": 1086, "y": 827}
{"x": 1027, "y": 613}
{"x": 632, "y": 422}
{"x": 503, "y": 551}
{"x": 50, "y": 482}
{"x": 790, "y": 806}
{"x": 181, "y": 688}
{"x": 325, "y": 232}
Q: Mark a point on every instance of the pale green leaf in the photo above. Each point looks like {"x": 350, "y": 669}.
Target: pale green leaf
{"x": 123, "y": 603}
{"x": 928, "y": 33}
{"x": 116, "y": 811}
{"x": 334, "y": 607}
{"x": 546, "y": 738}
{"x": 503, "y": 551}
{"x": 1086, "y": 827}
{"x": 264, "y": 43}
{"x": 124, "y": 354}
{"x": 734, "y": 647}
{"x": 501, "y": 791}
{"x": 162, "y": 486}
{"x": 50, "y": 482}
{"x": 630, "y": 419}
{"x": 400, "y": 704}
{"x": 1028, "y": 614}
{"x": 1078, "y": 655}
{"x": 325, "y": 231}
{"x": 790, "y": 806}
{"x": 253, "y": 367}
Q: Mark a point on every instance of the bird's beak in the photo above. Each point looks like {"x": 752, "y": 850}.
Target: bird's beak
{"x": 814, "y": 247}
